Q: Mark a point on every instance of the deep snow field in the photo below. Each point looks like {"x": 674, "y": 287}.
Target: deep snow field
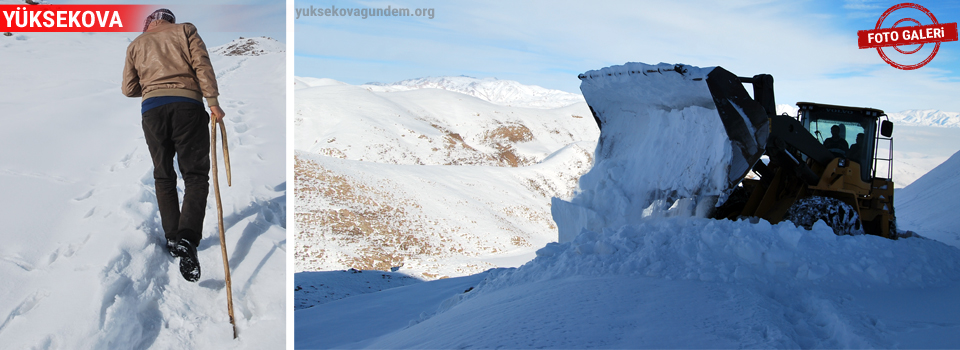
{"x": 672, "y": 283}
{"x": 83, "y": 259}
{"x": 679, "y": 281}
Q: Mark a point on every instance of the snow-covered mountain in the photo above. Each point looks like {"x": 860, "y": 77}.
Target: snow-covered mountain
{"x": 430, "y": 126}
{"x": 250, "y": 47}
{"x": 926, "y": 117}
{"x": 501, "y": 92}
{"x": 910, "y": 117}
{"x": 83, "y": 261}
{"x": 438, "y": 182}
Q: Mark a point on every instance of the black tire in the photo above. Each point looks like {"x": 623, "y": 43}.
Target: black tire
{"x": 894, "y": 234}
{"x": 840, "y": 216}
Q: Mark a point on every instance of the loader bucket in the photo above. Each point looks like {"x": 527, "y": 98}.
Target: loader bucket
{"x": 674, "y": 140}
{"x": 617, "y": 89}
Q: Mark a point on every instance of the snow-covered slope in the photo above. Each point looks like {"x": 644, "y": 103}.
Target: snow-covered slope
{"x": 434, "y": 221}
{"x": 442, "y": 183}
{"x": 501, "y": 92}
{"x": 82, "y": 260}
{"x": 321, "y": 287}
{"x": 306, "y": 82}
{"x": 430, "y": 126}
{"x": 673, "y": 283}
{"x": 929, "y": 205}
{"x": 919, "y": 149}
{"x": 250, "y": 47}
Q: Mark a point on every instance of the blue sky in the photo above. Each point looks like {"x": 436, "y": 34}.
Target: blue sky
{"x": 220, "y": 21}
{"x": 810, "y": 47}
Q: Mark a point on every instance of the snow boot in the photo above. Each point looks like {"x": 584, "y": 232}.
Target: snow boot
{"x": 172, "y": 248}
{"x": 189, "y": 263}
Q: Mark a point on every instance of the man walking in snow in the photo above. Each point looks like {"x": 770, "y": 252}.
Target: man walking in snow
{"x": 169, "y": 67}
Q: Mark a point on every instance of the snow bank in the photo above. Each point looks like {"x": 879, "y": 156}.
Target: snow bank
{"x": 672, "y": 283}
{"x": 744, "y": 252}
{"x": 663, "y": 149}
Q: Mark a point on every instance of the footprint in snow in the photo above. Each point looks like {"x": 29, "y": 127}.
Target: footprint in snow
{"x": 84, "y": 196}
{"x": 19, "y": 262}
{"x": 240, "y": 128}
{"x": 124, "y": 162}
{"x": 25, "y": 306}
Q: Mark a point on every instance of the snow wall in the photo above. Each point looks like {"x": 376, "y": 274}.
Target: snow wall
{"x": 663, "y": 150}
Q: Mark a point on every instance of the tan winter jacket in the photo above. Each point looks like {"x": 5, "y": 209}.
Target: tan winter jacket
{"x": 170, "y": 60}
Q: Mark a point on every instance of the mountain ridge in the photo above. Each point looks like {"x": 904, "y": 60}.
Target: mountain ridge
{"x": 257, "y": 46}
{"x": 501, "y": 92}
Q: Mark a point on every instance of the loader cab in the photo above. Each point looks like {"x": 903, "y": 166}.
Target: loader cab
{"x": 848, "y": 132}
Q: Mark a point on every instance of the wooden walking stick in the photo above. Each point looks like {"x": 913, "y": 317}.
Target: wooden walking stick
{"x": 226, "y": 152}
{"x": 216, "y": 193}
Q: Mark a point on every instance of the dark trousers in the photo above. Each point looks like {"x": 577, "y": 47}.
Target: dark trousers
{"x": 180, "y": 129}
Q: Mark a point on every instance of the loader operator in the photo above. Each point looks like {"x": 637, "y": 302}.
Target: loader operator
{"x": 169, "y": 67}
{"x": 856, "y": 149}
{"x": 836, "y": 141}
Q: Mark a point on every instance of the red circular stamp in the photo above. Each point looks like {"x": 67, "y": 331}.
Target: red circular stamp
{"x": 896, "y": 36}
